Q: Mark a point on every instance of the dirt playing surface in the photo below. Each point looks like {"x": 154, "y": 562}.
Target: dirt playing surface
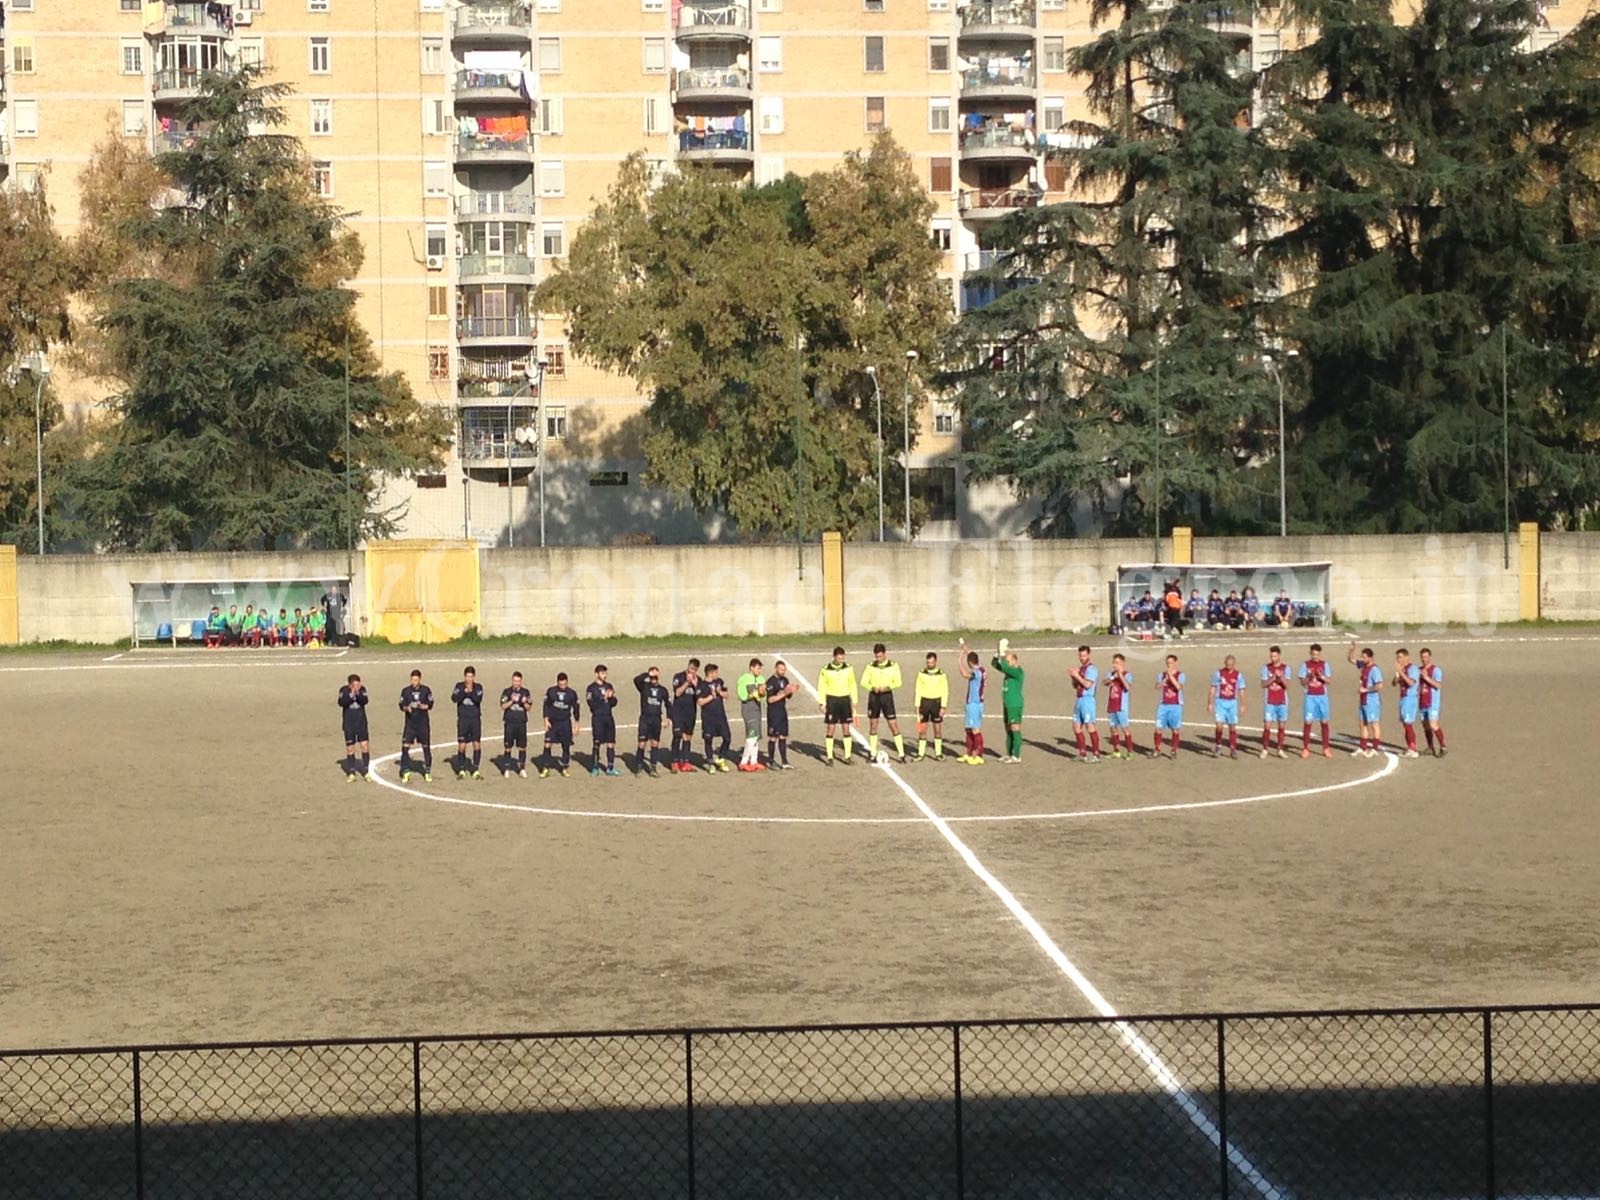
{"x": 186, "y": 862}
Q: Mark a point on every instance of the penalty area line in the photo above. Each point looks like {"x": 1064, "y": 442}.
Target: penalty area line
{"x": 1163, "y": 1074}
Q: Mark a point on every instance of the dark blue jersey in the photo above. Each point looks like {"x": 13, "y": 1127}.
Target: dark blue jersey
{"x": 601, "y": 699}
{"x": 777, "y": 687}
{"x": 560, "y": 705}
{"x": 416, "y": 700}
{"x": 711, "y": 695}
{"x": 685, "y": 691}
{"x": 653, "y": 697}
{"x": 468, "y": 700}
{"x": 520, "y": 700}
{"x": 351, "y": 700}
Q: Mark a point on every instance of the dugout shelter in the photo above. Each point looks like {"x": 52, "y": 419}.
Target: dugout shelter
{"x": 1309, "y": 584}
{"x": 166, "y": 611}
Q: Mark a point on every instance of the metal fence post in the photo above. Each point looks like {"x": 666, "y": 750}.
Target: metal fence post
{"x": 961, "y": 1154}
{"x": 688, "y": 1106}
{"x": 1222, "y": 1110}
{"x": 1489, "y": 1188}
{"x": 138, "y": 1128}
{"x": 416, "y": 1114}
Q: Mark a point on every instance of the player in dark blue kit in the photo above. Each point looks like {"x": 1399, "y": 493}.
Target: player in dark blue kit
{"x": 353, "y": 706}
{"x": 654, "y": 703}
{"x": 467, "y": 696}
{"x": 516, "y": 702}
{"x": 685, "y": 703}
{"x": 779, "y": 688}
{"x": 602, "y": 700}
{"x": 562, "y": 719}
{"x": 711, "y": 696}
{"x": 416, "y": 701}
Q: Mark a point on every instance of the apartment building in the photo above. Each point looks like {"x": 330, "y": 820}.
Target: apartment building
{"x": 468, "y": 139}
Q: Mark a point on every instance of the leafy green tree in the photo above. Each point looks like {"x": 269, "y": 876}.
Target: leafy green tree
{"x": 231, "y": 354}
{"x": 36, "y": 282}
{"x": 1055, "y": 361}
{"x": 749, "y": 317}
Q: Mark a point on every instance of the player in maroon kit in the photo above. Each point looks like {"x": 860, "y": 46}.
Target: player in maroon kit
{"x": 1431, "y": 692}
{"x": 1274, "y": 700}
{"x": 1313, "y": 676}
{"x": 1119, "y": 682}
{"x": 1227, "y": 697}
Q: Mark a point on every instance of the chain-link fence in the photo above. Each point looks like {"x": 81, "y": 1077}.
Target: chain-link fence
{"x": 1436, "y": 1104}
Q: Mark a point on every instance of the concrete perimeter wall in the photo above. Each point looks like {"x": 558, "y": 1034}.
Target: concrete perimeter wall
{"x": 1018, "y": 585}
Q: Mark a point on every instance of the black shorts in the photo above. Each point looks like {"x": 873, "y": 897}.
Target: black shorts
{"x": 837, "y": 710}
{"x": 417, "y": 731}
{"x": 778, "y": 720}
{"x": 605, "y": 732}
{"x": 516, "y": 735}
{"x": 355, "y": 729}
{"x": 650, "y": 728}
{"x": 559, "y": 734}
{"x": 880, "y": 704}
{"x": 717, "y": 729}
{"x": 683, "y": 721}
{"x": 928, "y": 711}
{"x": 469, "y": 729}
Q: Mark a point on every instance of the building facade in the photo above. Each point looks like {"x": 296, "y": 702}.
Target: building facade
{"x": 468, "y": 139}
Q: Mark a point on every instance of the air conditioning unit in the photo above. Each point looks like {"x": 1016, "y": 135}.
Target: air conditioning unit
{"x": 435, "y": 262}
{"x": 243, "y": 16}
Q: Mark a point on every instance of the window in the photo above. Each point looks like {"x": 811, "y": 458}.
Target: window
{"x": 769, "y": 169}
{"x": 1055, "y": 114}
{"x": 550, "y": 115}
{"x": 769, "y": 5}
{"x": 771, "y": 109}
{"x": 438, "y": 301}
{"x": 435, "y": 117}
{"x": 130, "y": 5}
{"x": 435, "y": 178}
{"x": 133, "y": 58}
{"x": 555, "y": 358}
{"x": 939, "y": 114}
{"x": 316, "y": 5}
{"x": 1055, "y": 54}
{"x": 1055, "y": 174}
{"x": 425, "y": 482}
{"x": 321, "y": 56}
{"x": 549, "y": 6}
{"x": 552, "y": 177}
{"x": 1053, "y": 5}
{"x": 875, "y": 114}
{"x": 944, "y": 418}
{"x": 22, "y": 58}
{"x": 941, "y": 236}
{"x": 655, "y": 114}
{"x": 21, "y": 5}
{"x": 321, "y": 118}
{"x": 873, "y": 5}
{"x": 655, "y": 56}
{"x": 874, "y": 53}
{"x": 938, "y": 5}
{"x": 432, "y": 5}
{"x": 435, "y": 241}
{"x": 322, "y": 177}
{"x": 936, "y": 488}
{"x": 549, "y": 55}
{"x": 940, "y": 175}
{"x": 938, "y": 54}
{"x": 769, "y": 54}
{"x": 433, "y": 56}
{"x": 251, "y": 52}
{"x": 438, "y": 362}
{"x": 653, "y": 5}
{"x": 552, "y": 240}
{"x": 555, "y": 422}
{"x": 133, "y": 123}
{"x": 25, "y": 118}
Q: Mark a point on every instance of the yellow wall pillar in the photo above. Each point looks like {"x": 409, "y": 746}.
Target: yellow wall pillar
{"x": 1528, "y": 564}
{"x": 10, "y": 623}
{"x": 1182, "y": 545}
{"x": 833, "y": 582}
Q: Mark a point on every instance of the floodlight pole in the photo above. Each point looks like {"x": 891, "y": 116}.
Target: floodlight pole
{"x": 349, "y": 509}
{"x": 539, "y": 433}
{"x": 905, "y": 435}
{"x": 872, "y": 374}
{"x": 1505, "y": 446}
{"x": 1155, "y": 545}
{"x": 38, "y": 366}
{"x": 511, "y": 518}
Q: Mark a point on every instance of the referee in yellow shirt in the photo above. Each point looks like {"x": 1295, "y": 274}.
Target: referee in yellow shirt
{"x": 933, "y": 698}
{"x": 881, "y": 679}
{"x": 836, "y": 683}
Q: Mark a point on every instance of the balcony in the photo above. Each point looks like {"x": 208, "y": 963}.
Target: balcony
{"x": 999, "y": 143}
{"x": 489, "y": 436}
{"x": 506, "y": 268}
{"x": 189, "y": 16}
{"x": 497, "y": 86}
{"x": 714, "y": 23}
{"x": 493, "y": 148}
{"x": 1003, "y": 80}
{"x": 518, "y": 327}
{"x": 495, "y": 24}
{"x": 999, "y": 20}
{"x": 985, "y": 204}
{"x": 711, "y": 83}
{"x": 985, "y": 282}
{"x": 1229, "y": 21}
{"x": 171, "y": 84}
{"x": 719, "y": 146}
{"x": 492, "y": 393}
{"x": 495, "y": 206}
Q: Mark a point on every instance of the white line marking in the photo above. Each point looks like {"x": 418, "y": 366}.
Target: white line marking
{"x": 113, "y": 658}
{"x": 1131, "y": 1038}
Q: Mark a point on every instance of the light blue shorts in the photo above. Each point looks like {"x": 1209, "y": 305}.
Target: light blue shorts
{"x": 1371, "y": 711}
{"x": 1316, "y": 708}
{"x": 974, "y": 716}
{"x": 1227, "y": 712}
{"x": 1275, "y": 714}
{"x": 1408, "y": 712}
{"x": 1118, "y": 719}
{"x": 1169, "y": 716}
{"x": 1432, "y": 712}
{"x": 1083, "y": 711}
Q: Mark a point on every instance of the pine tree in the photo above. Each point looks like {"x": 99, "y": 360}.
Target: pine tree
{"x": 233, "y": 354}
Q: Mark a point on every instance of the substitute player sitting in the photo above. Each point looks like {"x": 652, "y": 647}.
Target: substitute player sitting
{"x": 601, "y": 699}
{"x": 1085, "y": 677}
{"x": 562, "y": 722}
{"x": 779, "y": 688}
{"x": 1169, "y": 704}
{"x": 1313, "y": 675}
{"x": 353, "y": 713}
{"x": 836, "y": 684}
{"x": 1274, "y": 700}
{"x": 881, "y": 679}
{"x": 1369, "y": 699}
{"x": 416, "y": 702}
{"x": 516, "y": 702}
{"x": 1227, "y": 696}
{"x": 467, "y": 696}
{"x": 933, "y": 698}
{"x": 1119, "y": 693}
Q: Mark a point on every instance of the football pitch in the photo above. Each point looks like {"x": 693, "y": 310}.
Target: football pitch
{"x": 186, "y": 863}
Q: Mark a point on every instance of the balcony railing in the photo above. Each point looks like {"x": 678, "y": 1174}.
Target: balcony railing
{"x": 495, "y": 204}
{"x": 494, "y": 389}
{"x": 690, "y": 142}
{"x": 482, "y": 441}
{"x": 176, "y": 79}
{"x": 714, "y": 18}
{"x": 999, "y": 15}
{"x": 496, "y": 83}
{"x": 491, "y": 18}
{"x": 997, "y": 201}
{"x": 997, "y": 75}
{"x": 496, "y": 264}
{"x": 494, "y": 144}
{"x": 212, "y": 19}
{"x": 519, "y": 325}
{"x": 711, "y": 79}
{"x": 999, "y": 137}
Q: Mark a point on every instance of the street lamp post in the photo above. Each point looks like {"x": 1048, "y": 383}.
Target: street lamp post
{"x": 872, "y": 374}
{"x": 38, "y": 366}
{"x": 1505, "y": 446}
{"x": 539, "y": 463}
{"x": 1155, "y": 544}
{"x": 905, "y": 435}
{"x": 1283, "y": 492}
{"x": 511, "y": 511}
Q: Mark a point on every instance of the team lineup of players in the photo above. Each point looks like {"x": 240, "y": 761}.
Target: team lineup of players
{"x": 697, "y": 696}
